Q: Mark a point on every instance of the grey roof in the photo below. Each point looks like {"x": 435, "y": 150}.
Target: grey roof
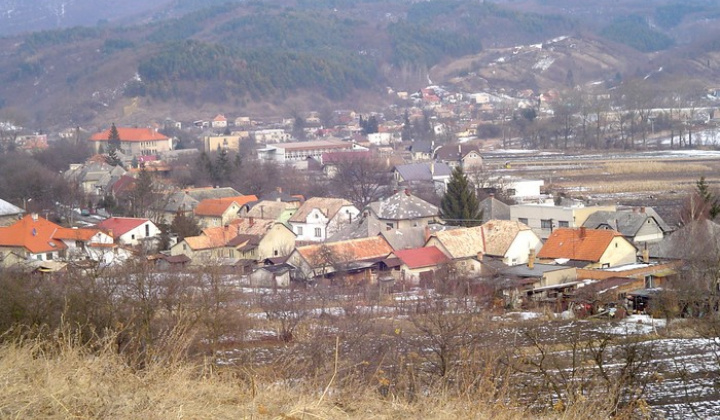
{"x": 494, "y": 209}
{"x": 699, "y": 240}
{"x": 455, "y": 152}
{"x": 180, "y": 201}
{"x": 8, "y": 209}
{"x": 267, "y": 209}
{"x": 402, "y": 206}
{"x": 537, "y": 270}
{"x": 201, "y": 194}
{"x": 627, "y": 222}
{"x": 279, "y": 196}
{"x": 406, "y": 238}
{"x": 423, "y": 171}
{"x": 420, "y": 146}
{"x": 362, "y": 227}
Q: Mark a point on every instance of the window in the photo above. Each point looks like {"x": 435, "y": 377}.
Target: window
{"x": 49, "y": 256}
{"x": 299, "y": 230}
{"x": 563, "y": 223}
{"x": 275, "y": 252}
{"x": 184, "y": 247}
{"x": 546, "y": 223}
{"x": 318, "y": 232}
{"x": 132, "y": 236}
{"x": 389, "y": 226}
{"x": 523, "y": 220}
{"x": 147, "y": 230}
{"x": 649, "y": 282}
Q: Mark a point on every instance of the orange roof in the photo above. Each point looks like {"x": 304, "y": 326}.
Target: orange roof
{"x": 121, "y": 225}
{"x": 75, "y": 234}
{"x": 32, "y": 233}
{"x": 130, "y": 134}
{"x": 218, "y": 206}
{"x": 346, "y": 251}
{"x": 578, "y": 244}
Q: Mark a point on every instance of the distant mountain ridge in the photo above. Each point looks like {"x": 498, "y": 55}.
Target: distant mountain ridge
{"x": 182, "y": 58}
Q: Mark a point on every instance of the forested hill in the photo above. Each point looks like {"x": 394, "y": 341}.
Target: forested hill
{"x": 187, "y": 55}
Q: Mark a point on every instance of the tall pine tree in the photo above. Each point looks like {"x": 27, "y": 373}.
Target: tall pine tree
{"x": 459, "y": 205}
{"x": 114, "y": 142}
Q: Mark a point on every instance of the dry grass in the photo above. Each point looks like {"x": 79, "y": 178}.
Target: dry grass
{"x": 66, "y": 380}
{"x": 645, "y": 167}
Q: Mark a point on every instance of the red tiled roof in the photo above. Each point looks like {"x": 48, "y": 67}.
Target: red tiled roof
{"x": 352, "y": 250}
{"x": 130, "y": 134}
{"x": 75, "y": 234}
{"x": 422, "y": 257}
{"x": 35, "y": 235}
{"x": 577, "y": 244}
{"x": 120, "y": 225}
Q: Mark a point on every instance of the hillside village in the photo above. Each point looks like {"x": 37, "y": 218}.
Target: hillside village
{"x": 535, "y": 246}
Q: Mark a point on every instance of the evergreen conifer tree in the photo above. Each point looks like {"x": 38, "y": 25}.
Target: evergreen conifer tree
{"x": 459, "y": 205}
{"x": 114, "y": 142}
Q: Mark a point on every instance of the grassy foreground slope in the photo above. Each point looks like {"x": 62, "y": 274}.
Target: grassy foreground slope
{"x": 58, "y": 378}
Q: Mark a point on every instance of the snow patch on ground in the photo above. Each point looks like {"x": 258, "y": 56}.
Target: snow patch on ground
{"x": 543, "y": 64}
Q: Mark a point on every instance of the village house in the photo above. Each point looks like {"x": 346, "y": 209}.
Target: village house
{"x": 185, "y": 201}
{"x": 272, "y": 276}
{"x": 131, "y": 231}
{"x": 465, "y": 155}
{"x": 435, "y": 174}
{"x": 270, "y": 135}
{"x": 318, "y": 218}
{"x": 213, "y": 212}
{"x": 403, "y": 210}
{"x": 588, "y": 248}
{"x": 355, "y": 260}
{"x": 511, "y": 242}
{"x": 95, "y": 177}
{"x": 419, "y": 266}
{"x": 219, "y": 121}
{"x": 639, "y": 225}
{"x": 134, "y": 141}
{"x": 244, "y": 239}
{"x": 34, "y": 238}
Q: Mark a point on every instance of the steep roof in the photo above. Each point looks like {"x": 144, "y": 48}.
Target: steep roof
{"x": 121, "y": 225}
{"x": 423, "y": 171}
{"x": 180, "y": 200}
{"x": 33, "y": 233}
{"x": 578, "y": 244}
{"x": 627, "y": 222}
{"x": 328, "y": 206}
{"x": 422, "y": 257}
{"x": 455, "y": 152}
{"x": 493, "y": 208}
{"x": 130, "y": 134}
{"x": 8, "y": 209}
{"x": 500, "y": 234}
{"x": 462, "y": 242}
{"x": 216, "y": 207}
{"x": 346, "y": 251}
{"x": 403, "y": 206}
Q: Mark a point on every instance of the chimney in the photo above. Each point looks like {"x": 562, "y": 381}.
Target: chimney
{"x": 531, "y": 259}
{"x": 427, "y": 232}
{"x": 407, "y": 191}
{"x": 279, "y": 190}
{"x": 642, "y": 209}
{"x": 583, "y": 231}
{"x": 645, "y": 254}
{"x": 460, "y": 149}
{"x": 35, "y": 217}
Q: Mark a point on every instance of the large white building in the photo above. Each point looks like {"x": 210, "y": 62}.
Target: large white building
{"x": 543, "y": 218}
{"x": 294, "y": 152}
